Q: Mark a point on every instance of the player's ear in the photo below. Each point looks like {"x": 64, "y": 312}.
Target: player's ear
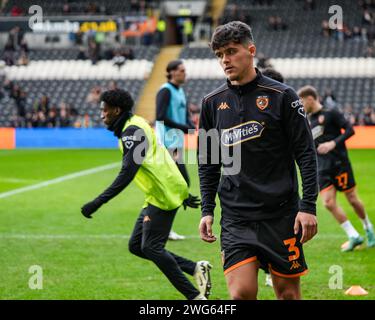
{"x": 252, "y": 49}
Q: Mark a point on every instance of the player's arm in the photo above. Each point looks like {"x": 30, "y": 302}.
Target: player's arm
{"x": 342, "y": 123}
{"x": 135, "y": 146}
{"x": 209, "y": 174}
{"x": 189, "y": 123}
{"x": 299, "y": 135}
{"x": 162, "y": 101}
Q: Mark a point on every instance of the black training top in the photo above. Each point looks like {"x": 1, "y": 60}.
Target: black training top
{"x": 265, "y": 122}
{"x": 326, "y": 125}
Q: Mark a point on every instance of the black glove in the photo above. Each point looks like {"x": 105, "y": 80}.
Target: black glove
{"x": 192, "y": 202}
{"x": 89, "y": 208}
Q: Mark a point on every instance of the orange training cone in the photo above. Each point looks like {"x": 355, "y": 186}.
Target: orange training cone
{"x": 356, "y": 291}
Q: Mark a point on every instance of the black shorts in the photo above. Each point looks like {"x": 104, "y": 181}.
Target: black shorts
{"x": 271, "y": 242}
{"x": 341, "y": 177}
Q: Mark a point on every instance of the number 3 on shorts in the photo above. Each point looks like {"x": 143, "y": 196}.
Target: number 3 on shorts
{"x": 292, "y": 248}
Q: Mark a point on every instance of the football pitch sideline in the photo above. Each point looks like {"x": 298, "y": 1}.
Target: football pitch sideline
{"x": 89, "y": 259}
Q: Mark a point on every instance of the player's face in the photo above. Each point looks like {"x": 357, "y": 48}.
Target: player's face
{"x": 236, "y": 60}
{"x": 308, "y": 103}
{"x": 179, "y": 75}
{"x": 108, "y": 114}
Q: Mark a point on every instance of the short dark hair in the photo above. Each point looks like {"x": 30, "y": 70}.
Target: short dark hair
{"x": 118, "y": 98}
{"x": 234, "y": 31}
{"x": 307, "y": 91}
{"x": 172, "y": 65}
{"x": 273, "y": 74}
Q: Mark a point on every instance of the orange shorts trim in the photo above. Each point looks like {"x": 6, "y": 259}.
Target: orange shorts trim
{"x": 239, "y": 264}
{"x": 288, "y": 275}
{"x": 327, "y": 188}
{"x": 348, "y": 189}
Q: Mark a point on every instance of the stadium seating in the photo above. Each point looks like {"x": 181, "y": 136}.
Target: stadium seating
{"x": 72, "y": 92}
{"x": 76, "y": 7}
{"x": 140, "y": 52}
{"x": 355, "y": 91}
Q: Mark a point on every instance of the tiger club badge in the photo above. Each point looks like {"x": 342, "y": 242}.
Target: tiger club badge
{"x": 262, "y": 102}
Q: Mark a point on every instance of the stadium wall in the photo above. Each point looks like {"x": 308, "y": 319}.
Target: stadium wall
{"x": 11, "y": 138}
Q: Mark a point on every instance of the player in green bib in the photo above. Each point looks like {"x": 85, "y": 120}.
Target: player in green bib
{"x": 156, "y": 174}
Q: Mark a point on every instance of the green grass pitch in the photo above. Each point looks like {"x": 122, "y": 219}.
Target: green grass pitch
{"x": 89, "y": 259}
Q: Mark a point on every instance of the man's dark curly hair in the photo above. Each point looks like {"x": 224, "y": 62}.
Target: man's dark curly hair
{"x": 234, "y": 31}
{"x": 118, "y": 98}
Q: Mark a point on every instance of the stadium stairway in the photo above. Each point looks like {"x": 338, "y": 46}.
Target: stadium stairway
{"x": 217, "y": 8}
{"x": 146, "y": 103}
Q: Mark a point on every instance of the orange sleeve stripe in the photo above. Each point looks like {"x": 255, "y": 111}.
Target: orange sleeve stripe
{"x": 269, "y": 88}
{"x": 348, "y": 189}
{"x": 239, "y": 264}
{"x": 288, "y": 275}
{"x": 327, "y": 188}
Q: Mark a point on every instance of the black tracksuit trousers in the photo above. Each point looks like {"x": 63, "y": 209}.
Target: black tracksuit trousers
{"x": 148, "y": 240}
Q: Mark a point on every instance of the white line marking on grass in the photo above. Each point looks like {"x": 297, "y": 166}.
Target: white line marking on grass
{"x": 31, "y": 236}
{"x": 26, "y": 236}
{"x": 58, "y": 180}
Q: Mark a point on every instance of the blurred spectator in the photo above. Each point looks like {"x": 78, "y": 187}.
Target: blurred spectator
{"x": 83, "y": 121}
{"x": 187, "y": 31}
{"x": 93, "y": 49}
{"x": 329, "y": 99}
{"x": 81, "y": 54}
{"x": 66, "y": 9}
{"x": 63, "y": 116}
{"x": 42, "y": 104}
{"x": 16, "y": 11}
{"x": 263, "y": 61}
{"x": 350, "y": 115}
{"x": 367, "y": 116}
{"x": 134, "y": 5}
{"x": 276, "y": 23}
{"x": 92, "y": 8}
{"x": 309, "y": 5}
{"x": 161, "y": 27}
{"x": 112, "y": 85}
{"x": 23, "y": 59}
{"x": 94, "y": 95}
{"x": 52, "y": 117}
{"x": 119, "y": 60}
{"x": 367, "y": 17}
{"x": 9, "y": 53}
{"x": 326, "y": 30}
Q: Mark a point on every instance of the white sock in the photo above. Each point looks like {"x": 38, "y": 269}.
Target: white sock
{"x": 349, "y": 229}
{"x": 367, "y": 225}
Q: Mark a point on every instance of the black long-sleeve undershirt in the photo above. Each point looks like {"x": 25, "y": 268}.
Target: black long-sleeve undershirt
{"x": 135, "y": 146}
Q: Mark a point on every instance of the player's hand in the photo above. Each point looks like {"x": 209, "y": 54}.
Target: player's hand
{"x": 192, "y": 202}
{"x": 89, "y": 208}
{"x": 309, "y": 225}
{"x": 326, "y": 147}
{"x": 205, "y": 229}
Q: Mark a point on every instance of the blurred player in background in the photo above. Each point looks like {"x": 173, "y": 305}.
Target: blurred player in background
{"x": 335, "y": 170}
{"x": 156, "y": 174}
{"x": 173, "y": 119}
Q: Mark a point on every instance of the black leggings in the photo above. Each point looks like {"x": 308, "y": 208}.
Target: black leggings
{"x": 148, "y": 241}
